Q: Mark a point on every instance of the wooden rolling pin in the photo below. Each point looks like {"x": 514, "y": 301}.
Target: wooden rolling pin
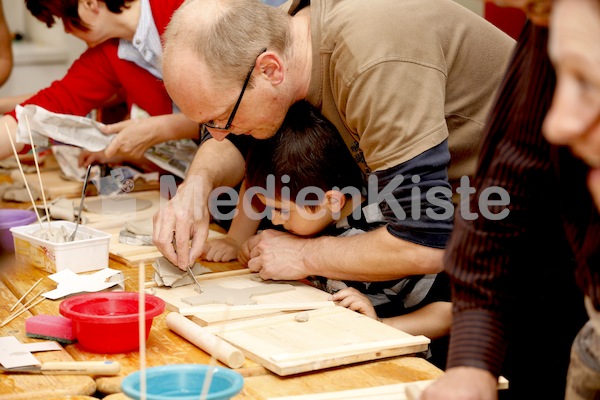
{"x": 213, "y": 345}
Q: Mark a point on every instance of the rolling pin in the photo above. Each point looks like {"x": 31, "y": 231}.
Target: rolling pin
{"x": 213, "y": 345}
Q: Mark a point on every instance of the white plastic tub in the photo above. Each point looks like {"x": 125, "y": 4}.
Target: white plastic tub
{"x": 88, "y": 253}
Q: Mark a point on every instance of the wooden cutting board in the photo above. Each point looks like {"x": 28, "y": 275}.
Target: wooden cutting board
{"x": 330, "y": 337}
{"x": 300, "y": 297}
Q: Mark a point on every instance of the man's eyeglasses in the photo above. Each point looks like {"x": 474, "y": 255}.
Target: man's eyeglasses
{"x": 211, "y": 125}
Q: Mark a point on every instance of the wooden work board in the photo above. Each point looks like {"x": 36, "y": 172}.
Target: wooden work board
{"x": 330, "y": 337}
{"x": 300, "y": 297}
{"x": 290, "y": 331}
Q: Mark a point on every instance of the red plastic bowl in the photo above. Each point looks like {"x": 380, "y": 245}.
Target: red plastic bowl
{"x": 108, "y": 322}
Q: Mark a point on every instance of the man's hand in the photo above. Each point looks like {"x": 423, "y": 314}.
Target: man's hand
{"x": 277, "y": 255}
{"x": 463, "y": 383}
{"x": 185, "y": 217}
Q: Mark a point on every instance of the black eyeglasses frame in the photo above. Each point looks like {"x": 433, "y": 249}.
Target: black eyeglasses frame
{"x": 211, "y": 125}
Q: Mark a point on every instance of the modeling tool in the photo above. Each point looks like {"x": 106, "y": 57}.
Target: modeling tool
{"x": 70, "y": 368}
{"x": 85, "y": 182}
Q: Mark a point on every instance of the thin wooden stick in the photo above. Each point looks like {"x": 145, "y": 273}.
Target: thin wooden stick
{"x": 29, "y": 301}
{"x": 12, "y": 143}
{"x": 6, "y": 321}
{"x": 26, "y": 293}
{"x": 213, "y": 359}
{"x": 142, "y": 329}
{"x": 37, "y": 169}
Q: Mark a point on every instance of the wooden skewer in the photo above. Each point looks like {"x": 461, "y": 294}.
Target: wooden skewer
{"x": 37, "y": 170}
{"x": 28, "y": 302}
{"x": 142, "y": 329}
{"x": 213, "y": 359}
{"x": 12, "y": 143}
{"x": 6, "y": 321}
{"x": 26, "y": 293}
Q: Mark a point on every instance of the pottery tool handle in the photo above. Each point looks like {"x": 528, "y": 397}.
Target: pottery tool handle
{"x": 212, "y": 344}
{"x": 81, "y": 368}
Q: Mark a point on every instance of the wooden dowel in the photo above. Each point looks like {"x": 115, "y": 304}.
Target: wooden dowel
{"x": 142, "y": 328}
{"x": 37, "y": 170}
{"x": 14, "y": 149}
{"x": 26, "y": 293}
{"x": 209, "y": 342}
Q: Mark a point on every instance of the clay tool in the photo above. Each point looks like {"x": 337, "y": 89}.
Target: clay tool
{"x": 191, "y": 274}
{"x": 85, "y": 183}
{"x": 69, "y": 368}
{"x": 212, "y": 344}
{"x": 189, "y": 267}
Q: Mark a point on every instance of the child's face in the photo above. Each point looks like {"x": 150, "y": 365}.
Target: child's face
{"x": 296, "y": 219}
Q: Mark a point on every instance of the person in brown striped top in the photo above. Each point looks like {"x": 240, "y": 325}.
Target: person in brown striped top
{"x": 519, "y": 284}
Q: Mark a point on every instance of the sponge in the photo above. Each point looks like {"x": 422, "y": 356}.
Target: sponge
{"x": 50, "y": 327}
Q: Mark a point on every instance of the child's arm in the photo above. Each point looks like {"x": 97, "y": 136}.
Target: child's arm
{"x": 242, "y": 227}
{"x": 432, "y": 320}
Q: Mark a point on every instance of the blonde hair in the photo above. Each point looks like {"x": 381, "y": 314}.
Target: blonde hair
{"x": 227, "y": 35}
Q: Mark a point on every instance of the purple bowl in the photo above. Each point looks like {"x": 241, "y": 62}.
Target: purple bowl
{"x": 9, "y": 218}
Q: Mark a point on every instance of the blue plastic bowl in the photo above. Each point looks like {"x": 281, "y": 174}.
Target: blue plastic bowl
{"x": 184, "y": 382}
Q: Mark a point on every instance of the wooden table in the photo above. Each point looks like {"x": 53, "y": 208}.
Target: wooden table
{"x": 166, "y": 347}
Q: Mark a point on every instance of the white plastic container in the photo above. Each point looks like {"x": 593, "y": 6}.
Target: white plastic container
{"x": 89, "y": 252}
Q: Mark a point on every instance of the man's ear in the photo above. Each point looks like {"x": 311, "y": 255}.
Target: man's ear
{"x": 272, "y": 67}
{"x": 335, "y": 201}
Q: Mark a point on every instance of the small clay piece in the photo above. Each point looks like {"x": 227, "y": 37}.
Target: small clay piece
{"x": 301, "y": 316}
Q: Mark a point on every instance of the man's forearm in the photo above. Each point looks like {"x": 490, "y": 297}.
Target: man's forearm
{"x": 372, "y": 256}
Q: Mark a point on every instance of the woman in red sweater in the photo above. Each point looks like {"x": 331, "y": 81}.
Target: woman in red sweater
{"x": 123, "y": 56}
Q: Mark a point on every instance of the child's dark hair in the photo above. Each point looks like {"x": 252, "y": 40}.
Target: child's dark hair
{"x": 307, "y": 148}
{"x": 47, "y": 11}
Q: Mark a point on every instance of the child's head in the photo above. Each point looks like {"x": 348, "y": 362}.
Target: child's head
{"x": 47, "y": 11}
{"x": 312, "y": 169}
